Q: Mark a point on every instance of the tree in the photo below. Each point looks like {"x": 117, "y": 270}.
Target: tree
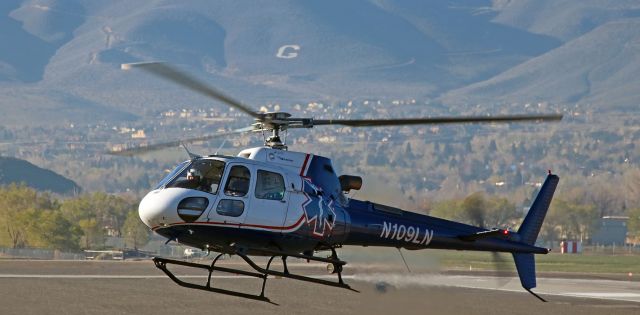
{"x": 478, "y": 210}
{"x": 608, "y": 200}
{"x": 55, "y": 232}
{"x": 567, "y": 220}
{"x": 475, "y": 208}
{"x": 408, "y": 152}
{"x": 634, "y": 224}
{"x": 92, "y": 233}
{"x": 97, "y": 214}
{"x": 448, "y": 209}
{"x": 34, "y": 219}
{"x": 500, "y": 213}
{"x": 493, "y": 147}
{"x": 19, "y": 205}
{"x": 136, "y": 233}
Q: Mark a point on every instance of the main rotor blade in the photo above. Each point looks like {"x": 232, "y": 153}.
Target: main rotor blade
{"x": 172, "y": 74}
{"x": 159, "y": 146}
{"x": 435, "y": 120}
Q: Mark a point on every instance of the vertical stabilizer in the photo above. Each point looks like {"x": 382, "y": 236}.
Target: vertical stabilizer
{"x": 526, "y": 266}
{"x": 529, "y": 230}
{"x": 533, "y": 221}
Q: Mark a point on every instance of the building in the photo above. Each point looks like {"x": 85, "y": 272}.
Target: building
{"x": 611, "y": 230}
{"x": 139, "y": 134}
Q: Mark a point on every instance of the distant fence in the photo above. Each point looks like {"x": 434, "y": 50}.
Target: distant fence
{"x": 31, "y": 253}
{"x": 627, "y": 249}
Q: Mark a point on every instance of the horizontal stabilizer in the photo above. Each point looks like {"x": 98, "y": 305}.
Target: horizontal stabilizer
{"x": 483, "y": 234}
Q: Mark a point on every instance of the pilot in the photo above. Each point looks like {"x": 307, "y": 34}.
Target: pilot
{"x": 194, "y": 181}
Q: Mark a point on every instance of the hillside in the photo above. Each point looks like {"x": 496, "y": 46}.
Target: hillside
{"x": 609, "y": 81}
{"x": 16, "y": 171}
{"x": 62, "y": 63}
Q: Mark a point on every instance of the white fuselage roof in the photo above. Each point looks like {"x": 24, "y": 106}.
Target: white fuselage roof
{"x": 291, "y": 161}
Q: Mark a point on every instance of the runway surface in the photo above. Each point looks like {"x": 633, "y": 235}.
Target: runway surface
{"x": 76, "y": 287}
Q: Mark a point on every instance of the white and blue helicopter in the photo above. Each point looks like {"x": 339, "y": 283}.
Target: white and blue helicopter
{"x": 269, "y": 201}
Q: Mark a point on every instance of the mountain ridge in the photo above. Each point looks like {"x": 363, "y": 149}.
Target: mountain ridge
{"x": 67, "y": 53}
{"x": 22, "y": 172}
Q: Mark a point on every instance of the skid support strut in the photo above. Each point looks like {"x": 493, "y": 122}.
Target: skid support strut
{"x": 261, "y": 273}
{"x": 287, "y": 274}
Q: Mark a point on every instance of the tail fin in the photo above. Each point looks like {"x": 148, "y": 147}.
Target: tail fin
{"x": 526, "y": 266}
{"x": 530, "y": 227}
{"x": 529, "y": 230}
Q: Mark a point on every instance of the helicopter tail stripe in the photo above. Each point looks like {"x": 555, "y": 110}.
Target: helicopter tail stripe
{"x": 304, "y": 165}
{"x": 533, "y": 221}
{"x": 526, "y": 266}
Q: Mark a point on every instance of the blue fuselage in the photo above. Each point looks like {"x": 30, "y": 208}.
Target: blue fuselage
{"x": 359, "y": 224}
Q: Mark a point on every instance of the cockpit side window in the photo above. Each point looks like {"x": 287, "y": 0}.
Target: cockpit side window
{"x": 204, "y": 175}
{"x": 269, "y": 185}
{"x": 238, "y": 181}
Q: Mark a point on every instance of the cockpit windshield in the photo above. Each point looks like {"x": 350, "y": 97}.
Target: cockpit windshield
{"x": 173, "y": 173}
{"x": 202, "y": 175}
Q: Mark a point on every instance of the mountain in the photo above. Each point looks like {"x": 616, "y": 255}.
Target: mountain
{"x": 597, "y": 65}
{"x": 17, "y": 171}
{"x": 60, "y": 60}
{"x": 560, "y": 74}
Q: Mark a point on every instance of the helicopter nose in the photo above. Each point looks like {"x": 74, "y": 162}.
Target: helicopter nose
{"x": 156, "y": 207}
{"x": 172, "y": 205}
{"x": 151, "y": 210}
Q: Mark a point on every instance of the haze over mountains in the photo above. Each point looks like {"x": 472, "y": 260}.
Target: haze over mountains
{"x": 60, "y": 60}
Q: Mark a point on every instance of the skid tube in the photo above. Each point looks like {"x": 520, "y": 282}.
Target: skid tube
{"x": 262, "y": 273}
{"x": 337, "y": 264}
{"x": 161, "y": 263}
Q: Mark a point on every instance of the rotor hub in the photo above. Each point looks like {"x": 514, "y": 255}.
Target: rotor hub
{"x": 274, "y": 122}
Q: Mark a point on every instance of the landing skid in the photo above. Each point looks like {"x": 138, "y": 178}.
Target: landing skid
{"x": 262, "y": 273}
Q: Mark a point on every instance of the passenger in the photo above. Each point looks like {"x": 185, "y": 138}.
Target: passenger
{"x": 237, "y": 187}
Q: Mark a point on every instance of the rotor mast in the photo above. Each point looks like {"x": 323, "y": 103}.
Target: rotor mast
{"x": 274, "y": 122}
{"x": 274, "y": 141}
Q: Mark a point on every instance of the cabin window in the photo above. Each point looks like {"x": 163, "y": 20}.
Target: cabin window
{"x": 238, "y": 181}
{"x": 269, "y": 186}
{"x": 204, "y": 175}
{"x": 230, "y": 207}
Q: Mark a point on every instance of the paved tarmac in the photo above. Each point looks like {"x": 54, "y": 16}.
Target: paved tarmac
{"x": 78, "y": 287}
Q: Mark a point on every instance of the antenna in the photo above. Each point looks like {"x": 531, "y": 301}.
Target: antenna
{"x": 221, "y": 145}
{"x": 405, "y": 262}
{"x": 192, "y": 155}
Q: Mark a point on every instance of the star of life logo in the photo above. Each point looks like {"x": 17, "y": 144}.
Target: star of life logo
{"x": 319, "y": 215}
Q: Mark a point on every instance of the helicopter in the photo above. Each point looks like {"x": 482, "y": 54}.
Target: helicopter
{"x": 270, "y": 201}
